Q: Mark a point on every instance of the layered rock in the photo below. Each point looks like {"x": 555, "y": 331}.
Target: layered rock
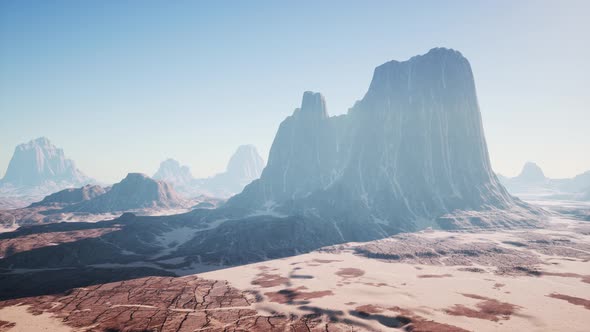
{"x": 136, "y": 191}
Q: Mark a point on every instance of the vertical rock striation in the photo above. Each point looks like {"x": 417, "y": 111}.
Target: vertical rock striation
{"x": 412, "y": 150}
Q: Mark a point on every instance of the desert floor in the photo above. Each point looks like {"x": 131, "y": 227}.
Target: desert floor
{"x": 516, "y": 280}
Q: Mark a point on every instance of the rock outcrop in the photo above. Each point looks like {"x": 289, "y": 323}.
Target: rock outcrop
{"x": 136, "y": 191}
{"x": 72, "y": 196}
{"x": 412, "y": 150}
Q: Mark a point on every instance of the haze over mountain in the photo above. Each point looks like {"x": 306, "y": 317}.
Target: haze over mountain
{"x": 531, "y": 172}
{"x": 179, "y": 176}
{"x": 410, "y": 155}
{"x": 244, "y": 166}
{"x": 38, "y": 168}
{"x": 39, "y": 163}
{"x": 411, "y": 150}
{"x": 532, "y": 182}
{"x": 374, "y": 207}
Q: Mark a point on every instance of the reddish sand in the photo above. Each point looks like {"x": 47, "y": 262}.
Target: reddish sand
{"x": 350, "y": 272}
{"x": 5, "y": 326}
{"x": 267, "y": 280}
{"x": 572, "y": 299}
{"x": 295, "y": 294}
{"x": 490, "y": 309}
{"x": 404, "y": 319}
{"x": 583, "y": 278}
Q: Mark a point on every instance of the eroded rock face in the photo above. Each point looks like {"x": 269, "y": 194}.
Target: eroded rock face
{"x": 412, "y": 149}
{"x": 72, "y": 195}
{"x": 136, "y": 191}
{"x": 303, "y": 156}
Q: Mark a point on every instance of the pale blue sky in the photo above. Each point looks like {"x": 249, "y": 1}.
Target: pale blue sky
{"x": 122, "y": 85}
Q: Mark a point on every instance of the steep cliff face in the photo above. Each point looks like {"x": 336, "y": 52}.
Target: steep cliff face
{"x": 411, "y": 154}
{"x": 303, "y": 156}
{"x": 38, "y": 163}
{"x": 411, "y": 150}
{"x": 417, "y": 146}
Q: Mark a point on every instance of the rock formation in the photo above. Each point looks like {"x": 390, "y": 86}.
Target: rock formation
{"x": 531, "y": 173}
{"x": 532, "y": 183}
{"x": 136, "y": 191}
{"x": 178, "y": 176}
{"x": 39, "y": 162}
{"x": 72, "y": 196}
{"x": 38, "y": 168}
{"x": 410, "y": 155}
{"x": 244, "y": 166}
{"x": 411, "y": 150}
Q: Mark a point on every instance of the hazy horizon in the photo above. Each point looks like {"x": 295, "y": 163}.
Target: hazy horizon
{"x": 122, "y": 88}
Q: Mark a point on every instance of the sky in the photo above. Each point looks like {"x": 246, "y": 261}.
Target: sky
{"x": 123, "y": 85}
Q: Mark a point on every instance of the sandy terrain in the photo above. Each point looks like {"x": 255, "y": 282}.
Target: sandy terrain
{"x": 27, "y": 321}
{"x": 388, "y": 285}
{"x": 516, "y": 280}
